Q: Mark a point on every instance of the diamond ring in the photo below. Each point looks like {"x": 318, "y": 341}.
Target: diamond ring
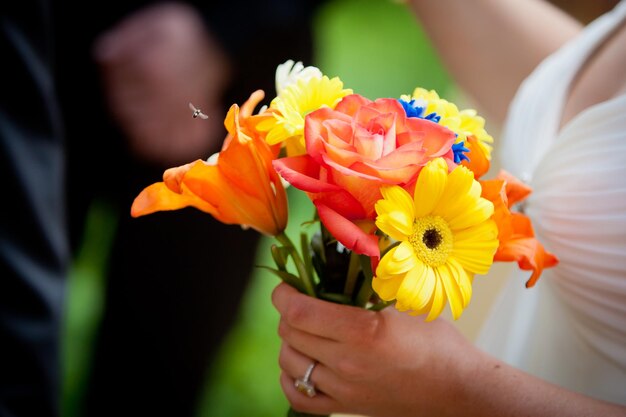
{"x": 304, "y": 384}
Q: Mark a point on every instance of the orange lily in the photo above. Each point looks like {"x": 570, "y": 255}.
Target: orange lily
{"x": 242, "y": 188}
{"x": 515, "y": 232}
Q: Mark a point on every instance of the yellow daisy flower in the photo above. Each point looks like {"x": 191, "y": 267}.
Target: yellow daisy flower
{"x": 290, "y": 72}
{"x": 464, "y": 123}
{"x": 294, "y": 103}
{"x": 446, "y": 236}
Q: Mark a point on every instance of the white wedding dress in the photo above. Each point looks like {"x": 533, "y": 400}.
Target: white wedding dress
{"x": 570, "y": 328}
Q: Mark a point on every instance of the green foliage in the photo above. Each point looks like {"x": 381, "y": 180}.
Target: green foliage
{"x": 85, "y": 298}
{"x": 377, "y": 48}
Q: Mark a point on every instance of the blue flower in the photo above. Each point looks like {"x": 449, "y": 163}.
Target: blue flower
{"x": 412, "y": 109}
{"x": 459, "y": 150}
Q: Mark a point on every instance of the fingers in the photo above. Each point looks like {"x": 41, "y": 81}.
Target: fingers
{"x": 294, "y": 365}
{"x": 326, "y": 351}
{"x": 325, "y": 319}
{"x": 320, "y": 404}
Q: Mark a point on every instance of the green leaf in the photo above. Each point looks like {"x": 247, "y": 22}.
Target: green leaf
{"x": 287, "y": 277}
{"x": 354, "y": 269}
{"x": 305, "y": 278}
{"x": 336, "y": 298}
{"x": 306, "y": 253}
{"x": 309, "y": 223}
{"x": 366, "y": 290}
{"x": 279, "y": 254}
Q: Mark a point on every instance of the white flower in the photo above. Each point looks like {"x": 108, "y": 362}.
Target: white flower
{"x": 290, "y": 72}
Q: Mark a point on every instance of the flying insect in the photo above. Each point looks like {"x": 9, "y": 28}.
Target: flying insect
{"x": 197, "y": 112}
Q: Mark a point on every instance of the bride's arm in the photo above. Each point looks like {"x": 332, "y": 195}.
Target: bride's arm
{"x": 393, "y": 364}
{"x": 490, "y": 46}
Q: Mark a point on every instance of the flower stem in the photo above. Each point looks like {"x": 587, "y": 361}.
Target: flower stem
{"x": 380, "y": 306}
{"x": 366, "y": 291}
{"x": 303, "y": 273}
{"x": 352, "y": 275}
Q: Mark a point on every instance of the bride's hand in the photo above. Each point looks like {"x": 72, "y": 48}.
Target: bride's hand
{"x": 377, "y": 363}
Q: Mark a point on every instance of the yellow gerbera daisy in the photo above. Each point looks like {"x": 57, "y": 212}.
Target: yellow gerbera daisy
{"x": 464, "y": 123}
{"x": 446, "y": 236}
{"x": 294, "y": 103}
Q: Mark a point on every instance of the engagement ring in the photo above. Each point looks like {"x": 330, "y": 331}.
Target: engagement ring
{"x": 304, "y": 384}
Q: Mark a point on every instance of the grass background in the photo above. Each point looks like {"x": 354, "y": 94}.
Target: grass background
{"x": 378, "y": 49}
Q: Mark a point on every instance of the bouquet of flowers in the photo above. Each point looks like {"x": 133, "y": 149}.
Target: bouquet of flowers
{"x": 404, "y": 216}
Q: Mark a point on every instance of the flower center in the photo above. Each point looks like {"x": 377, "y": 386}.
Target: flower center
{"x": 432, "y": 240}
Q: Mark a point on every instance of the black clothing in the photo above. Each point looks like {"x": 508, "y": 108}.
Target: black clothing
{"x": 174, "y": 280}
{"x": 34, "y": 252}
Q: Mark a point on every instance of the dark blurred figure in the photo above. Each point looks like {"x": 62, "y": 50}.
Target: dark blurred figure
{"x": 34, "y": 253}
{"x": 175, "y": 280}
{"x": 124, "y": 73}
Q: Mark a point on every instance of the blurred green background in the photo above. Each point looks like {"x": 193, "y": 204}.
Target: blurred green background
{"x": 377, "y": 48}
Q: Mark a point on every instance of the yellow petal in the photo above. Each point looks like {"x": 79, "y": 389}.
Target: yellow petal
{"x": 395, "y": 213}
{"x": 396, "y": 224}
{"x": 464, "y": 280}
{"x": 399, "y": 197}
{"x": 397, "y": 261}
{"x": 461, "y": 190}
{"x": 473, "y": 214}
{"x": 475, "y": 251}
{"x": 449, "y": 279}
{"x": 430, "y": 186}
{"x": 417, "y": 288}
{"x": 483, "y": 232}
{"x": 438, "y": 301}
{"x": 387, "y": 289}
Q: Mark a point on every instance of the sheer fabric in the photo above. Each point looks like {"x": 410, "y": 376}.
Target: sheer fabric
{"x": 570, "y": 328}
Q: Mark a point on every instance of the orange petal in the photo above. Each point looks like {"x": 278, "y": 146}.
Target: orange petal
{"x": 348, "y": 233}
{"x": 244, "y": 186}
{"x": 173, "y": 177}
{"x": 515, "y": 231}
{"x": 248, "y": 107}
{"x": 158, "y": 197}
{"x": 516, "y": 190}
{"x": 529, "y": 254}
{"x": 232, "y": 205}
{"x": 495, "y": 191}
{"x": 478, "y": 163}
{"x": 525, "y": 249}
{"x": 245, "y": 117}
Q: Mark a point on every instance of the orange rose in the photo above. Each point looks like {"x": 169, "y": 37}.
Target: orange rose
{"x": 352, "y": 151}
